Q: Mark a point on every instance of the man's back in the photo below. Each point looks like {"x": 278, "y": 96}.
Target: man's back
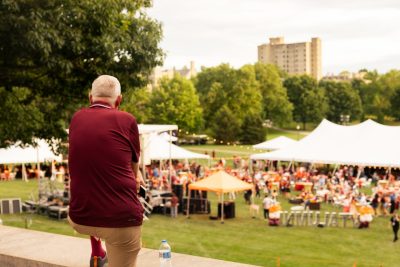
{"x": 103, "y": 142}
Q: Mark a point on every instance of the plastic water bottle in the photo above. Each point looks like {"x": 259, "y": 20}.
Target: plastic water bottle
{"x": 164, "y": 254}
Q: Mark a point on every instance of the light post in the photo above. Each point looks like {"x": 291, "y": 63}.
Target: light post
{"x": 298, "y": 132}
{"x": 344, "y": 119}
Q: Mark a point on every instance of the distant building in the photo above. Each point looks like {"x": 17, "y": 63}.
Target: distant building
{"x": 158, "y": 73}
{"x": 295, "y": 58}
{"x": 345, "y": 76}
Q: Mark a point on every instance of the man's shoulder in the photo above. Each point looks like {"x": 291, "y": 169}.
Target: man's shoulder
{"x": 78, "y": 113}
{"x": 125, "y": 114}
{"x": 126, "y": 117}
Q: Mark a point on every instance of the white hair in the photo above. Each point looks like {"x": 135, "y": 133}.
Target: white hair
{"x": 106, "y": 86}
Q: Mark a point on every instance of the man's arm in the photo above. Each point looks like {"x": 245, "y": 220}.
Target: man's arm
{"x": 138, "y": 175}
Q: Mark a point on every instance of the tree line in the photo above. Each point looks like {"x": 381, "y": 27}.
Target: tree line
{"x": 234, "y": 104}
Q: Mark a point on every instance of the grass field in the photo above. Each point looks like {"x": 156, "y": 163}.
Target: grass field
{"x": 244, "y": 239}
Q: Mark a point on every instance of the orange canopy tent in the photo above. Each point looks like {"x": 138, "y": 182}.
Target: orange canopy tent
{"x": 220, "y": 183}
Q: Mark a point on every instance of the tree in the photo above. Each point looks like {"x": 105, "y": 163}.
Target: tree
{"x": 342, "y": 99}
{"x": 226, "y": 126}
{"x": 137, "y": 102}
{"x": 51, "y": 52}
{"x": 377, "y": 93}
{"x": 395, "y": 103}
{"x": 253, "y": 131}
{"x": 276, "y": 105}
{"x": 308, "y": 100}
{"x": 223, "y": 89}
{"x": 175, "y": 101}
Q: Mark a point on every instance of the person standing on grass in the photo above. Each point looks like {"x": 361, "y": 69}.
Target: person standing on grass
{"x": 103, "y": 160}
{"x": 395, "y": 226}
{"x": 267, "y": 203}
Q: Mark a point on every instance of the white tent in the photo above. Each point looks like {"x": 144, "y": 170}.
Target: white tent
{"x": 168, "y": 137}
{"x": 367, "y": 144}
{"x": 276, "y": 143}
{"x": 160, "y": 149}
{"x": 28, "y": 154}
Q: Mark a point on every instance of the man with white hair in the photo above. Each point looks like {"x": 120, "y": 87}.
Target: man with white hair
{"x": 103, "y": 160}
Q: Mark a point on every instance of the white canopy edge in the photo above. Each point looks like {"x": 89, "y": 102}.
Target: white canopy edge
{"x": 156, "y": 128}
{"x": 29, "y": 154}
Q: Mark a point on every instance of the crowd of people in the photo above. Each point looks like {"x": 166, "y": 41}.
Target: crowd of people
{"x": 349, "y": 188}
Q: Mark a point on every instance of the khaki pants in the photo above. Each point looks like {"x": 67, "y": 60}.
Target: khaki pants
{"x": 122, "y": 244}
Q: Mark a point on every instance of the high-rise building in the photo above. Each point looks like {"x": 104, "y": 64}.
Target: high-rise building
{"x": 295, "y": 58}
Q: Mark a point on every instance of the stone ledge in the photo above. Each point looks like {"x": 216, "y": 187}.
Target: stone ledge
{"x": 21, "y": 247}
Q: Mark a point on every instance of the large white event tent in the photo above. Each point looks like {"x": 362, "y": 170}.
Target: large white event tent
{"x": 29, "y": 154}
{"x": 154, "y": 147}
{"x": 276, "y": 143}
{"x": 365, "y": 144}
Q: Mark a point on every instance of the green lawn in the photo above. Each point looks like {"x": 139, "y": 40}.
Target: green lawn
{"x": 244, "y": 239}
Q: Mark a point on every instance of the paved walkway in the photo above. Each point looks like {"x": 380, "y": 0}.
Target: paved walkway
{"x": 20, "y": 247}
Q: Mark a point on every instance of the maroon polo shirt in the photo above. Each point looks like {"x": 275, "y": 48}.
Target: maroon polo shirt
{"x": 103, "y": 142}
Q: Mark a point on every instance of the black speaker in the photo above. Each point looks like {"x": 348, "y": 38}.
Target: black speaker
{"x": 9, "y": 206}
{"x": 16, "y": 205}
{"x": 5, "y": 206}
{"x": 229, "y": 210}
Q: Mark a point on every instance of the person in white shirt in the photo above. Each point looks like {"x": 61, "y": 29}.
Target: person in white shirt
{"x": 267, "y": 203}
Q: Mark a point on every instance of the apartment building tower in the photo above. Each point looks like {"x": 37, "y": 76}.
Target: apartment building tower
{"x": 295, "y": 58}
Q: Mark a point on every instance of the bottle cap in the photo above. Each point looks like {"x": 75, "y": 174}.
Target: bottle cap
{"x": 164, "y": 241}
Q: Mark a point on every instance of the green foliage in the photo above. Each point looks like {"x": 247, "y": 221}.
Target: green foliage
{"x": 228, "y": 96}
{"x": 378, "y": 94}
{"x": 253, "y": 131}
{"x": 276, "y": 105}
{"x": 54, "y": 50}
{"x": 137, "y": 102}
{"x": 308, "y": 100}
{"x": 175, "y": 101}
{"x": 395, "y": 104}
{"x": 342, "y": 100}
{"x": 226, "y": 126}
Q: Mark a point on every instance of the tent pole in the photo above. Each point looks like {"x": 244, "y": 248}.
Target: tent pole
{"x": 359, "y": 172}
{"x": 222, "y": 208}
{"x": 250, "y": 169}
{"x": 170, "y": 159}
{"x": 187, "y": 205}
{"x": 24, "y": 174}
{"x": 334, "y": 169}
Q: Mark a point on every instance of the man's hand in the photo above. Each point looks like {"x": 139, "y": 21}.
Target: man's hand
{"x": 138, "y": 176}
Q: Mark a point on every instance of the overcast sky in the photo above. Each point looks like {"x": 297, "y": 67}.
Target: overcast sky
{"x": 355, "y": 34}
